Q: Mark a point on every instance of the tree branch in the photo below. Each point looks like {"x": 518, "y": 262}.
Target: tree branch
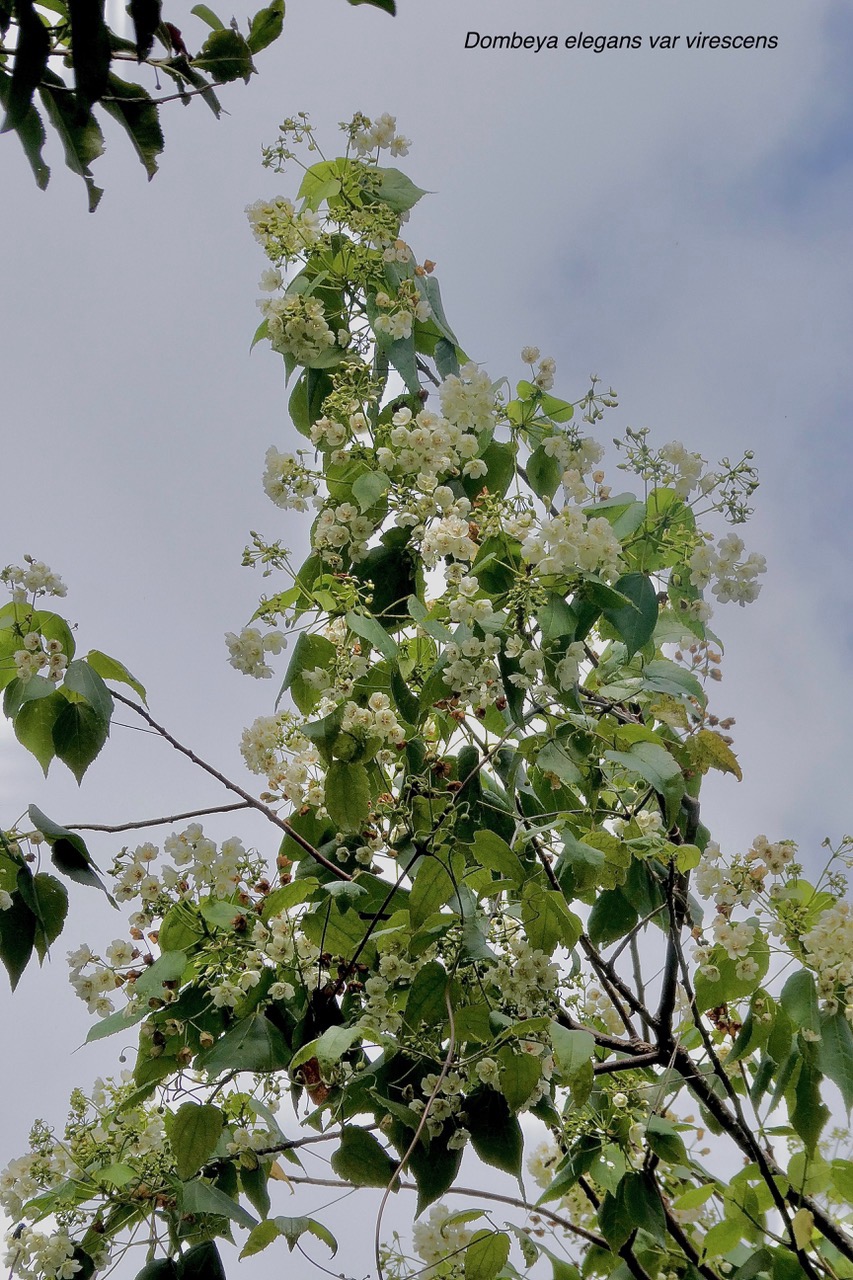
{"x": 158, "y": 822}
{"x": 250, "y": 800}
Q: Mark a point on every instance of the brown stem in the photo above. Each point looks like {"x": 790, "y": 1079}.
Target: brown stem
{"x": 157, "y": 822}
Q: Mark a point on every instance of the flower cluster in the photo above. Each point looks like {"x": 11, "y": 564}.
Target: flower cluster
{"x": 427, "y": 446}
{"x": 37, "y": 579}
{"x": 287, "y": 482}
{"x": 341, "y": 527}
{"x": 741, "y": 881}
{"x": 569, "y": 543}
{"x": 249, "y": 648}
{"x": 296, "y": 326}
{"x": 543, "y": 377}
{"x": 39, "y": 655}
{"x": 732, "y": 577}
{"x": 376, "y": 720}
{"x": 381, "y": 134}
{"x": 468, "y": 401}
{"x": 35, "y": 1255}
{"x": 281, "y": 232}
{"x": 829, "y": 947}
{"x": 439, "y": 1238}
{"x": 527, "y": 978}
{"x": 471, "y": 669}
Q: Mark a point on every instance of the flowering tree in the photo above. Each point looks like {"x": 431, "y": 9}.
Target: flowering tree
{"x": 481, "y": 910}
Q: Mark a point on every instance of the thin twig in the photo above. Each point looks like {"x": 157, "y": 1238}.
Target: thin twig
{"x": 157, "y": 822}
{"x": 251, "y": 801}
{"x": 514, "y": 1201}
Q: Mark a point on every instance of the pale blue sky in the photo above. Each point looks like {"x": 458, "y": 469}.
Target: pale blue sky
{"x": 679, "y": 223}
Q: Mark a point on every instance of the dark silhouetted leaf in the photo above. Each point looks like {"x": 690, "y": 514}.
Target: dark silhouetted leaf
{"x": 31, "y": 54}
{"x": 90, "y": 51}
{"x": 136, "y": 113}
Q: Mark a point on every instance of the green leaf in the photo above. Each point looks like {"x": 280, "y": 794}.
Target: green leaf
{"x": 434, "y": 1168}
{"x": 293, "y": 1228}
{"x": 111, "y": 669}
{"x": 361, "y": 1160}
{"x": 90, "y": 50}
{"x": 181, "y": 928}
{"x": 426, "y": 1000}
{"x": 493, "y": 852}
{"x": 51, "y": 908}
{"x": 260, "y": 1237}
{"x": 520, "y": 1074}
{"x": 266, "y": 26}
{"x": 636, "y": 621}
{"x": 252, "y": 1044}
{"x": 806, "y": 1108}
{"x": 392, "y": 570}
{"x": 201, "y": 1197}
{"x": 309, "y": 653}
{"x": 635, "y": 1204}
{"x": 114, "y": 1023}
{"x": 347, "y": 793}
{"x": 159, "y": 1269}
{"x": 82, "y": 140}
{"x": 369, "y": 629}
{"x": 18, "y": 692}
{"x": 842, "y": 1178}
{"x": 207, "y": 15}
{"x": 611, "y": 917}
{"x": 665, "y": 1140}
{"x": 255, "y": 1184}
{"x": 495, "y": 1132}
{"x": 135, "y": 111}
{"x": 309, "y": 392}
{"x": 31, "y": 54}
{"x": 544, "y": 473}
{"x": 30, "y": 131}
{"x": 168, "y": 967}
{"x": 202, "y": 1261}
{"x": 79, "y": 733}
{"x": 68, "y": 851}
{"x": 572, "y": 1049}
{"x": 486, "y": 1255}
{"x": 653, "y": 762}
{"x": 34, "y": 725}
{"x": 84, "y": 680}
{"x": 547, "y": 919}
{"x": 387, "y": 6}
{"x": 398, "y": 191}
{"x": 799, "y": 1000}
{"x": 435, "y": 883}
{"x": 226, "y": 56}
{"x": 708, "y": 751}
{"x": 17, "y": 937}
{"x": 333, "y": 1044}
{"x": 555, "y": 761}
{"x": 835, "y": 1054}
{"x": 663, "y": 676}
{"x": 193, "y": 1135}
{"x": 722, "y": 1238}
{"x": 369, "y": 488}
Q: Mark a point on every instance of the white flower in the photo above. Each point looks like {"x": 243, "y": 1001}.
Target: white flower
{"x": 5, "y": 900}
{"x": 248, "y": 649}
